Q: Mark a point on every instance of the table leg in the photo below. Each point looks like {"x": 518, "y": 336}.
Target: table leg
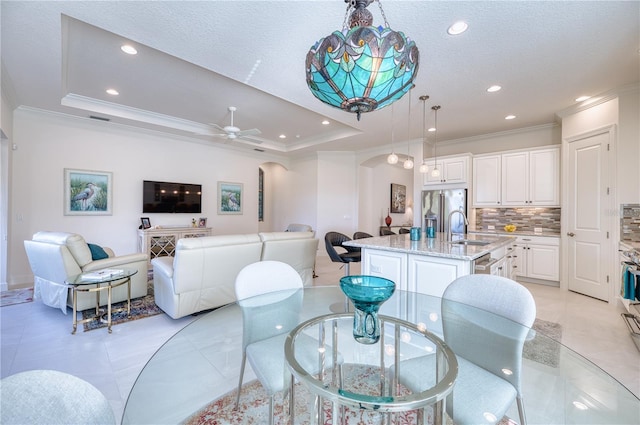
{"x": 129, "y": 298}
{"x": 109, "y": 307}
{"x": 98, "y": 300}
{"x": 74, "y": 296}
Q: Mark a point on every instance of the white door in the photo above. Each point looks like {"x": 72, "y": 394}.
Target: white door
{"x": 587, "y": 244}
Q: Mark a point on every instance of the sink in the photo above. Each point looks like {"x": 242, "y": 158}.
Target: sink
{"x": 470, "y": 242}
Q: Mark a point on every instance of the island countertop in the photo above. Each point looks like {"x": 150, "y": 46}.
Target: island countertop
{"x": 435, "y": 247}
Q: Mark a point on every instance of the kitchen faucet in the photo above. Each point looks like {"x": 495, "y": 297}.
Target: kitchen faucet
{"x": 466, "y": 222}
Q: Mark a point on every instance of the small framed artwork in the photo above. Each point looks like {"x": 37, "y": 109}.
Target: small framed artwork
{"x": 146, "y": 223}
{"x": 87, "y": 192}
{"x": 229, "y": 198}
{"x": 202, "y": 222}
{"x": 398, "y": 198}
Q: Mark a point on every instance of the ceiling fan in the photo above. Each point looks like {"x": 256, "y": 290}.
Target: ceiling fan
{"x": 232, "y": 132}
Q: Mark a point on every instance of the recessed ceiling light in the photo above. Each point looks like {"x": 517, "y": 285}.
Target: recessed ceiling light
{"x": 129, "y": 49}
{"x": 282, "y": 136}
{"x": 580, "y": 405}
{"x": 509, "y": 117}
{"x": 494, "y": 89}
{"x": 112, "y": 92}
{"x": 325, "y": 122}
{"x": 582, "y": 98}
{"x": 432, "y": 129}
{"x": 457, "y": 28}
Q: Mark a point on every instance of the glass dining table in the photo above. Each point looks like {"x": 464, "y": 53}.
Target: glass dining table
{"x": 190, "y": 379}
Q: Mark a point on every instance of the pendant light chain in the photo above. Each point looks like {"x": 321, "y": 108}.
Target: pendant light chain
{"x": 392, "y": 158}
{"x": 384, "y": 17}
{"x": 436, "y": 171}
{"x": 408, "y": 163}
{"x": 424, "y": 167}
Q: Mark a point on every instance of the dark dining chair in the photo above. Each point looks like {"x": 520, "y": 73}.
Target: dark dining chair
{"x": 386, "y": 231}
{"x": 361, "y": 235}
{"x": 346, "y": 255}
{"x": 402, "y": 231}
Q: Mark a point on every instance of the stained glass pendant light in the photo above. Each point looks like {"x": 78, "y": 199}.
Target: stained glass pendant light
{"x": 362, "y": 68}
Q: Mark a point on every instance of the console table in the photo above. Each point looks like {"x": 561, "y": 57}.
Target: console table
{"x": 162, "y": 242}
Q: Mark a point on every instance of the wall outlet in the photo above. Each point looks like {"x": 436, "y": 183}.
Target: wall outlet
{"x": 490, "y": 227}
{"x": 537, "y": 229}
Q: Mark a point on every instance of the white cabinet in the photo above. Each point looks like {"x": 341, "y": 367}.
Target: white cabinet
{"x": 387, "y": 264}
{"x": 486, "y": 180}
{"x": 518, "y": 178}
{"x": 538, "y": 257}
{"x": 417, "y": 273}
{"x": 432, "y": 275}
{"x": 162, "y": 242}
{"x": 531, "y": 178}
{"x": 453, "y": 170}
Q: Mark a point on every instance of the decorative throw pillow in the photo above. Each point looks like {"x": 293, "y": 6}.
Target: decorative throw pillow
{"x": 97, "y": 253}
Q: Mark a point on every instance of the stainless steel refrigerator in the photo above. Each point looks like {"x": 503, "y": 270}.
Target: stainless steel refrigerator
{"x": 439, "y": 204}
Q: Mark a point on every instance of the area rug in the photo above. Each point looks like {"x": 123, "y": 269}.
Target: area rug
{"x": 141, "y": 308}
{"x": 544, "y": 347}
{"x": 254, "y": 404}
{"x": 16, "y": 296}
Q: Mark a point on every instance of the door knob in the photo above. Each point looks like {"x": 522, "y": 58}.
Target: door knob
{"x": 571, "y": 234}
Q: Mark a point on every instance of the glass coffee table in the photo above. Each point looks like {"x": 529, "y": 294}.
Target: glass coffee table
{"x": 366, "y": 376}
{"x": 98, "y": 281}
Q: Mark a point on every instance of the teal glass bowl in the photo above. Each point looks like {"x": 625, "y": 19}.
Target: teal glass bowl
{"x": 367, "y": 293}
{"x": 366, "y": 290}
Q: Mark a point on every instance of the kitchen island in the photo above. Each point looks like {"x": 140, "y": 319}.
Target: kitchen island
{"x": 429, "y": 265}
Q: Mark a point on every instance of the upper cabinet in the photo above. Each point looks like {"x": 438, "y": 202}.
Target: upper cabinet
{"x": 486, "y": 180}
{"x": 453, "y": 170}
{"x": 516, "y": 179}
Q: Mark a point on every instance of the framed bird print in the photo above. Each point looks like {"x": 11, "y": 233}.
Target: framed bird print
{"x": 229, "y": 198}
{"x": 87, "y": 192}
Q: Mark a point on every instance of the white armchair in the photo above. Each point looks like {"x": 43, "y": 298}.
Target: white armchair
{"x": 56, "y": 256}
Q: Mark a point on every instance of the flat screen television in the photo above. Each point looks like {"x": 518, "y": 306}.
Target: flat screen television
{"x": 166, "y": 197}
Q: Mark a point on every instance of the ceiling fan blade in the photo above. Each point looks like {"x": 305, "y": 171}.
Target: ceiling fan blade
{"x": 250, "y": 139}
{"x": 250, "y": 132}
{"x": 217, "y": 127}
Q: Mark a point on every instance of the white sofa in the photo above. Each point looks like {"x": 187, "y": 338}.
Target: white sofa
{"x": 202, "y": 274}
{"x": 56, "y": 256}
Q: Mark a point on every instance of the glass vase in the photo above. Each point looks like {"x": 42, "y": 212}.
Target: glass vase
{"x": 367, "y": 293}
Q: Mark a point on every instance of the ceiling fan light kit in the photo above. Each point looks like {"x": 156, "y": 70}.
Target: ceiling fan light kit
{"x": 362, "y": 68}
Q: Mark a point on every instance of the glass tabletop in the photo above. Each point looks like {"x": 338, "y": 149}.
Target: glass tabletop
{"x": 200, "y": 364}
{"x": 100, "y": 276}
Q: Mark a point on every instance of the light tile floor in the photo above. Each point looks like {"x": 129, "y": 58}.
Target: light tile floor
{"x": 34, "y": 336}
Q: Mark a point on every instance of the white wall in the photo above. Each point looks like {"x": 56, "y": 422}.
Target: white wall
{"x": 6, "y": 146}
{"x": 337, "y": 190}
{"x": 628, "y": 149}
{"x": 49, "y": 143}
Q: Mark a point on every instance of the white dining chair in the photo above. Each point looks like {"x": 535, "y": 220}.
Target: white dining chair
{"x": 270, "y": 296}
{"x": 486, "y": 320}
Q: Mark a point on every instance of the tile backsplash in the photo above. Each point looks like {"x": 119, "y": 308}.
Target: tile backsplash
{"x": 630, "y": 223}
{"x": 527, "y": 219}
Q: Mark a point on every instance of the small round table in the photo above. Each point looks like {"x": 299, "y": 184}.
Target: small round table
{"x": 102, "y": 279}
{"x": 365, "y": 376}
